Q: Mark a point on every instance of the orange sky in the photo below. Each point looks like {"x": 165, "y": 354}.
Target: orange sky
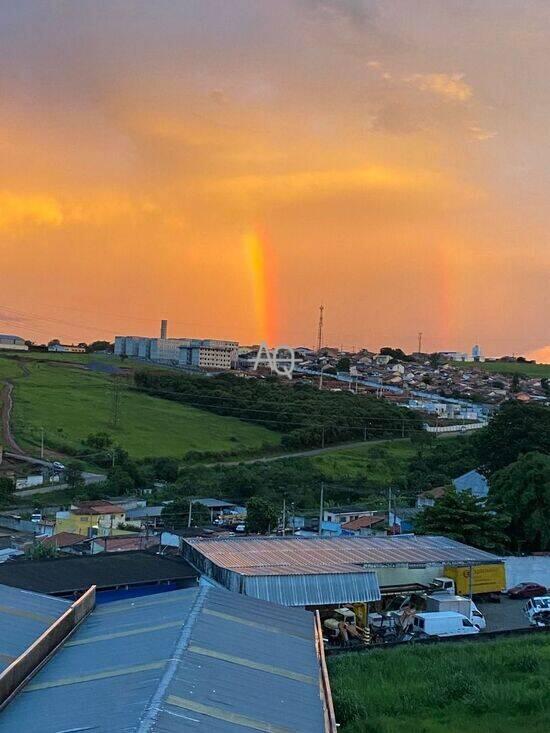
{"x": 230, "y": 166}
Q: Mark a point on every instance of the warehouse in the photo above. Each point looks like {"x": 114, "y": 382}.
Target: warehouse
{"x": 194, "y": 659}
{"x": 328, "y": 570}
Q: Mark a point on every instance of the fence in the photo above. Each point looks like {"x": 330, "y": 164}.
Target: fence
{"x": 330, "y": 717}
{"x": 27, "y": 663}
{"x": 455, "y": 428}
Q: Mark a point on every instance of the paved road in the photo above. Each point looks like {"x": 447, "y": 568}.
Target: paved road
{"x": 89, "y": 478}
{"x": 503, "y": 616}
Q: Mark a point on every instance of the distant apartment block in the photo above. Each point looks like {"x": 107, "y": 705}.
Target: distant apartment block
{"x": 184, "y": 352}
{"x": 12, "y": 343}
{"x": 209, "y": 354}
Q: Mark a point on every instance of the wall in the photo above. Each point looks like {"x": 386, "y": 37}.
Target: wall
{"x": 531, "y": 568}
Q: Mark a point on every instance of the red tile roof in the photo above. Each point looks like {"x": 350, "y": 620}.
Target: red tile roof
{"x": 97, "y": 507}
{"x": 363, "y": 522}
{"x": 63, "y": 539}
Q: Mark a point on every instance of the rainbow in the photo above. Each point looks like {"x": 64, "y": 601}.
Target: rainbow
{"x": 260, "y": 262}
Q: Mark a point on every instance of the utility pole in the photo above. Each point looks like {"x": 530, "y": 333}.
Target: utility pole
{"x": 420, "y": 342}
{"x": 190, "y": 512}
{"x": 42, "y": 443}
{"x": 284, "y": 516}
{"x": 321, "y": 509}
{"x": 389, "y": 506}
{"x": 116, "y": 402}
{"x": 320, "y": 329}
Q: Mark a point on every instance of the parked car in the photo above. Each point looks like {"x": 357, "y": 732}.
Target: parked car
{"x": 58, "y": 466}
{"x": 527, "y": 590}
{"x": 537, "y": 611}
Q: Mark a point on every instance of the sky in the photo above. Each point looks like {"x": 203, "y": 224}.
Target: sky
{"x": 230, "y": 166}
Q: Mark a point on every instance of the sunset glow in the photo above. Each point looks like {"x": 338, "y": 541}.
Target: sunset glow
{"x": 229, "y": 166}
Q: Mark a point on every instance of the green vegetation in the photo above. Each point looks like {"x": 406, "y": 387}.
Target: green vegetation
{"x": 464, "y": 518}
{"x": 522, "y": 492}
{"x": 71, "y": 402}
{"x": 506, "y": 367}
{"x": 494, "y": 686}
{"x": 306, "y": 416}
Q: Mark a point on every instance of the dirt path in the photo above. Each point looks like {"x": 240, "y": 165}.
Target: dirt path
{"x": 7, "y": 404}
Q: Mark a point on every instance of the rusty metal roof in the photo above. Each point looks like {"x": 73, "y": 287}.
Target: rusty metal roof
{"x": 293, "y": 555}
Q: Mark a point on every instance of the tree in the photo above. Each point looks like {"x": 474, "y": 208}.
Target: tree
{"x": 522, "y": 490}
{"x": 120, "y": 481}
{"x": 73, "y": 475}
{"x": 165, "y": 469}
{"x": 465, "y": 518}
{"x": 99, "y": 440}
{"x": 39, "y": 551}
{"x": 515, "y": 383}
{"x": 343, "y": 364}
{"x": 176, "y": 514}
{"x": 545, "y": 384}
{"x": 261, "y": 515}
{"x": 514, "y": 430}
{"x": 7, "y": 487}
{"x": 99, "y": 346}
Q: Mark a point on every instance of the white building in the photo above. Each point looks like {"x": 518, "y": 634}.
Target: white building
{"x": 12, "y": 343}
{"x": 166, "y": 351}
{"x": 67, "y": 348}
{"x": 209, "y": 354}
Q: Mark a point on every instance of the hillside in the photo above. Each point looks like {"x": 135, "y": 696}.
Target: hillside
{"x": 504, "y": 367}
{"x": 71, "y": 399}
{"x": 494, "y": 686}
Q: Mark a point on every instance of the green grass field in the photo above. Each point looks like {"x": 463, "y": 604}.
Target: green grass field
{"x": 384, "y": 463}
{"x": 71, "y": 402}
{"x": 495, "y": 686}
{"x": 502, "y": 367}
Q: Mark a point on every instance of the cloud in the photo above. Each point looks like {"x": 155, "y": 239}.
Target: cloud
{"x": 16, "y": 209}
{"x": 450, "y": 86}
{"x": 478, "y": 133}
{"x": 542, "y": 355}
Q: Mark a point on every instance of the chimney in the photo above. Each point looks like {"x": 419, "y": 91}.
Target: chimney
{"x": 163, "y": 329}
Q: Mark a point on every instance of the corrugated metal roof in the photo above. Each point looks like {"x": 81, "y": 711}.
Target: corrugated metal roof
{"x": 245, "y": 553}
{"x": 24, "y": 617}
{"x": 314, "y": 590}
{"x": 196, "y": 659}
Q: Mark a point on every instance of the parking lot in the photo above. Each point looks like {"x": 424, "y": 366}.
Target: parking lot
{"x": 503, "y": 616}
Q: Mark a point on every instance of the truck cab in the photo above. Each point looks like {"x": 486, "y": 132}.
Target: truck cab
{"x": 443, "y": 624}
{"x": 537, "y": 611}
{"x": 443, "y": 585}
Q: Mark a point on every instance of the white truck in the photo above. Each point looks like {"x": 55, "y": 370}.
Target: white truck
{"x": 447, "y": 602}
{"x": 442, "y": 624}
{"x": 537, "y": 611}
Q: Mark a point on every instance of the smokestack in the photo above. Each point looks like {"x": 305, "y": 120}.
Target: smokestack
{"x": 163, "y": 329}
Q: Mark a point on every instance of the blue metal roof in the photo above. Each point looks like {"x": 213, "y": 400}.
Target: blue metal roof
{"x": 314, "y": 590}
{"x": 189, "y": 660}
{"x": 24, "y": 616}
{"x": 473, "y": 481}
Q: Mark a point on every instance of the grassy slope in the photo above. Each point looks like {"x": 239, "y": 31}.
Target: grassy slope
{"x": 501, "y": 367}
{"x": 495, "y": 686}
{"x": 71, "y": 403}
{"x": 383, "y": 463}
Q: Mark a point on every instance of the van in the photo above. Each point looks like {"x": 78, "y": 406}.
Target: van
{"x": 465, "y": 606}
{"x": 442, "y": 624}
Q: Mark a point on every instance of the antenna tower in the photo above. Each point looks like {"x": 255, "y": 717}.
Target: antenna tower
{"x": 320, "y": 330}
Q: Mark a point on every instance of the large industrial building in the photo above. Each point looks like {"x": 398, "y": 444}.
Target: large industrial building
{"x": 188, "y": 660}
{"x": 183, "y": 352}
{"x": 12, "y": 343}
{"x": 328, "y": 570}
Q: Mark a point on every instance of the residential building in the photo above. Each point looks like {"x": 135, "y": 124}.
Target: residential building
{"x": 473, "y": 481}
{"x": 12, "y": 343}
{"x": 429, "y": 497}
{"x": 91, "y": 519}
{"x": 366, "y": 526}
{"x": 67, "y": 348}
{"x": 345, "y": 514}
{"x": 208, "y": 354}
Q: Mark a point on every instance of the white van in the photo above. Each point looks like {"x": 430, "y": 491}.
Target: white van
{"x": 443, "y": 623}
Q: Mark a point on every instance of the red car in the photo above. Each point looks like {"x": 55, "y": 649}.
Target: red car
{"x": 527, "y": 590}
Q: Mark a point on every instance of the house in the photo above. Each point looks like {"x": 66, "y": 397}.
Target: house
{"x": 401, "y": 520}
{"x": 473, "y": 481}
{"x": 429, "y": 497}
{"x": 382, "y": 359}
{"x": 91, "y": 518}
{"x": 63, "y": 541}
{"x": 366, "y": 526}
{"x": 345, "y": 514}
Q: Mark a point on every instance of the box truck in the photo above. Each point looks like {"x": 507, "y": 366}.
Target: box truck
{"x": 485, "y": 579}
{"x": 459, "y": 604}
